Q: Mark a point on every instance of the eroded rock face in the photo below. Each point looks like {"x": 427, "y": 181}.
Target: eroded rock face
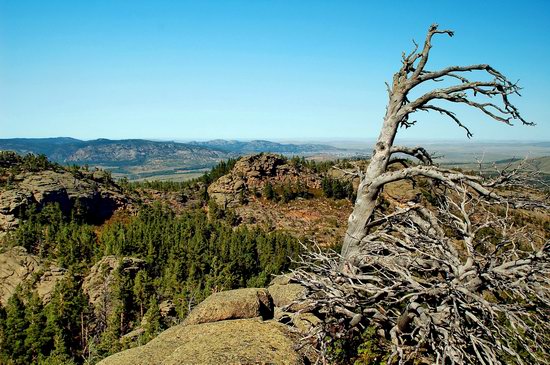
{"x": 89, "y": 191}
{"x": 253, "y": 172}
{"x": 98, "y": 285}
{"x": 18, "y": 266}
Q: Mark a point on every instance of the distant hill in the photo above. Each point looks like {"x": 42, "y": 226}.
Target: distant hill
{"x": 257, "y": 146}
{"x": 106, "y": 151}
{"x": 134, "y": 158}
{"x": 138, "y": 158}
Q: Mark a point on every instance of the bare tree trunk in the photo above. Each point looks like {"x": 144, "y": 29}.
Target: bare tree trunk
{"x": 367, "y": 194}
{"x": 411, "y": 74}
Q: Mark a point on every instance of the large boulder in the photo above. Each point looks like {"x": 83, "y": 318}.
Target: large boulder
{"x": 242, "y": 341}
{"x": 18, "y": 266}
{"x": 233, "y": 304}
{"x": 230, "y": 327}
{"x": 227, "y": 328}
{"x": 284, "y": 295}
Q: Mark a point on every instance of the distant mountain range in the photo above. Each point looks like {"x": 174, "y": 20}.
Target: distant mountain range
{"x": 138, "y": 158}
{"x": 240, "y": 147}
{"x": 112, "y": 152}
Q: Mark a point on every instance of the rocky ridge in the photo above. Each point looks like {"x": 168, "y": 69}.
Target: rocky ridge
{"x": 93, "y": 194}
{"x": 252, "y": 172}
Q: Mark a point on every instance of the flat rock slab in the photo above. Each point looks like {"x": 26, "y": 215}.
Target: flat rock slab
{"x": 233, "y": 304}
{"x": 242, "y": 341}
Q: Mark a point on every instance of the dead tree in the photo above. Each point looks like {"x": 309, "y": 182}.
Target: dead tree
{"x": 462, "y": 90}
{"x": 448, "y": 280}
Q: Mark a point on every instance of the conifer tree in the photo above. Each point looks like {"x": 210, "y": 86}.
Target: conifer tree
{"x": 15, "y": 329}
{"x": 152, "y": 318}
{"x": 36, "y": 338}
{"x": 142, "y": 290}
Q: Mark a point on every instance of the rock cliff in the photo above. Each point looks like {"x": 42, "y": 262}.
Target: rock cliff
{"x": 92, "y": 194}
{"x": 18, "y": 266}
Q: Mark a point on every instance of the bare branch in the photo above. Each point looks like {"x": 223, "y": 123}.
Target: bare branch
{"x": 450, "y": 115}
{"x": 426, "y": 50}
{"x": 418, "y": 152}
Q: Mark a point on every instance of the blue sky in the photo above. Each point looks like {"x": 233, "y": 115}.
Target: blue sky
{"x": 252, "y": 69}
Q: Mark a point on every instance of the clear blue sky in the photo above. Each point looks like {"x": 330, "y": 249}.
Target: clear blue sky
{"x": 251, "y": 69}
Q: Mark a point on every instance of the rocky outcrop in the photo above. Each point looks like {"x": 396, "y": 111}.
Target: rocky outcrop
{"x": 91, "y": 193}
{"x": 232, "y": 327}
{"x": 252, "y": 172}
{"x": 242, "y": 341}
{"x": 17, "y": 266}
{"x": 98, "y": 284}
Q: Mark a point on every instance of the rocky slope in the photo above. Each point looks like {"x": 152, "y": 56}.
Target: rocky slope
{"x": 316, "y": 218}
{"x": 91, "y": 195}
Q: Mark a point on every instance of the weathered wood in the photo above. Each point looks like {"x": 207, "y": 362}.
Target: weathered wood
{"x": 399, "y": 109}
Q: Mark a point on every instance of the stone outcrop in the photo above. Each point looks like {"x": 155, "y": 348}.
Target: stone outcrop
{"x": 252, "y": 172}
{"x": 17, "y": 266}
{"x": 98, "y": 284}
{"x": 241, "y": 341}
{"x": 91, "y": 192}
{"x": 232, "y": 327}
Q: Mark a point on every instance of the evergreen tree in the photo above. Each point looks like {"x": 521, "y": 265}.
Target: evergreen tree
{"x": 15, "y": 330}
{"x": 37, "y": 341}
{"x": 269, "y": 192}
{"x": 152, "y": 319}
{"x": 142, "y": 290}
{"x": 64, "y": 315}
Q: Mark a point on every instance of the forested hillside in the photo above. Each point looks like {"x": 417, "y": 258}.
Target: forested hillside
{"x": 124, "y": 276}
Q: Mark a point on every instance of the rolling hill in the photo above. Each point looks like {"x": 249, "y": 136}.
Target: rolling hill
{"x": 139, "y": 159}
